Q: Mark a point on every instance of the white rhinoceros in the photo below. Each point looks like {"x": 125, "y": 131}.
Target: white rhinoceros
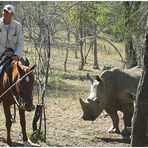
{"x": 113, "y": 91}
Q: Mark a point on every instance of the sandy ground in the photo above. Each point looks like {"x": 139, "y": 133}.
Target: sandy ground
{"x": 66, "y": 128}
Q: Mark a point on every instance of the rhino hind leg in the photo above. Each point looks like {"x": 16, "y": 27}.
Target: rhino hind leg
{"x": 115, "y": 120}
{"x": 127, "y": 117}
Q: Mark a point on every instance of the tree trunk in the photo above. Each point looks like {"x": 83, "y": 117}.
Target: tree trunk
{"x": 141, "y": 109}
{"x": 67, "y": 50}
{"x": 130, "y": 53}
{"x": 90, "y": 46}
{"x": 82, "y": 57}
{"x": 95, "y": 65}
{"x": 81, "y": 36}
{"x": 65, "y": 62}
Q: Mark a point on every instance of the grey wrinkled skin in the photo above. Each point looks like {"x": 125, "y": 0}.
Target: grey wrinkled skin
{"x": 114, "y": 90}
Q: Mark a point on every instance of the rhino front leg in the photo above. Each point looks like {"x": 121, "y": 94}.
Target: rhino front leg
{"x": 115, "y": 120}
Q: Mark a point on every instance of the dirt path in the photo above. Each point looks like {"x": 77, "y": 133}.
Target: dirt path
{"x": 66, "y": 128}
{"x": 64, "y": 124}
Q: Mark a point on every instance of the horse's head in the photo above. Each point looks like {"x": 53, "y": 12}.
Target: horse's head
{"x": 23, "y": 89}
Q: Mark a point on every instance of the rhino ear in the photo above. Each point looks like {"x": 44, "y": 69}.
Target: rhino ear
{"x": 90, "y": 78}
{"x": 98, "y": 78}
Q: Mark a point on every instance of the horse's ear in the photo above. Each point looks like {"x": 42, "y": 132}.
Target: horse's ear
{"x": 21, "y": 68}
{"x": 33, "y": 67}
{"x": 25, "y": 62}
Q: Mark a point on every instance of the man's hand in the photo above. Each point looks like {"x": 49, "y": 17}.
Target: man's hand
{"x": 8, "y": 53}
{"x": 15, "y": 58}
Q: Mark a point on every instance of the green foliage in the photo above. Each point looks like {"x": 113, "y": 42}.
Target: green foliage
{"x": 94, "y": 12}
{"x": 102, "y": 13}
{"x": 120, "y": 16}
{"x": 106, "y": 67}
{"x": 56, "y": 77}
{"x": 36, "y": 137}
{"x": 63, "y": 19}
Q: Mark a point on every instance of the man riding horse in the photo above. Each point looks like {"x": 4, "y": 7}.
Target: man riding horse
{"x": 15, "y": 78}
{"x": 11, "y": 37}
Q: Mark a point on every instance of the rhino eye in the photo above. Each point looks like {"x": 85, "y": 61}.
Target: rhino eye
{"x": 89, "y": 100}
{"x": 97, "y": 101}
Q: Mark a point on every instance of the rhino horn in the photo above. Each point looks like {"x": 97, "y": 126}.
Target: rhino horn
{"x": 83, "y": 104}
{"x": 90, "y": 78}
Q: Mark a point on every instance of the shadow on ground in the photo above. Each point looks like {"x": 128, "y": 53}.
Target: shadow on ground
{"x": 108, "y": 140}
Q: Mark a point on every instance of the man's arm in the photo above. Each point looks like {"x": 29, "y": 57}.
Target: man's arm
{"x": 20, "y": 41}
{"x": 2, "y": 49}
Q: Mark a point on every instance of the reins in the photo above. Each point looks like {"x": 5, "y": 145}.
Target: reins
{"x": 16, "y": 82}
{"x": 14, "y": 97}
{"x": 16, "y": 102}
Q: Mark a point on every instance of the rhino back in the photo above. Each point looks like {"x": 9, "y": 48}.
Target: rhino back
{"x": 120, "y": 84}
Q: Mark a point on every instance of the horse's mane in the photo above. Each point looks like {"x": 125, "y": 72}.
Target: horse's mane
{"x": 13, "y": 65}
{"x": 15, "y": 68}
{"x": 13, "y": 72}
{"x": 10, "y": 70}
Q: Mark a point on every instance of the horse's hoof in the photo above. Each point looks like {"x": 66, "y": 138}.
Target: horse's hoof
{"x": 9, "y": 142}
{"x": 30, "y": 144}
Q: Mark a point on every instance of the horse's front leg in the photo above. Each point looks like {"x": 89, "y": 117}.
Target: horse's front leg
{"x": 8, "y": 121}
{"x": 27, "y": 142}
{"x": 23, "y": 125}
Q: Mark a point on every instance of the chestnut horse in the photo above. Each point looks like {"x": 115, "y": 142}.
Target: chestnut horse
{"x": 16, "y": 85}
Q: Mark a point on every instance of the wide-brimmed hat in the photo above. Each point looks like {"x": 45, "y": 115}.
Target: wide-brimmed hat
{"x": 9, "y": 8}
